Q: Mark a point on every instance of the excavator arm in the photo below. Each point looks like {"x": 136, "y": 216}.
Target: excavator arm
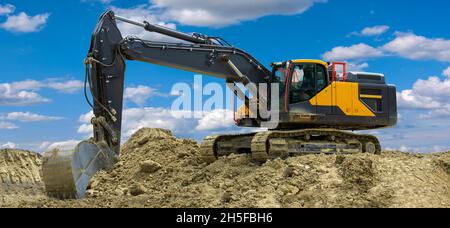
{"x": 67, "y": 173}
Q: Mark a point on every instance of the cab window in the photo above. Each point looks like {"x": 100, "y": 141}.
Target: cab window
{"x": 306, "y": 81}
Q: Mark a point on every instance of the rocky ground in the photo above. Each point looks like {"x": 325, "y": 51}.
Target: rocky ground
{"x": 20, "y": 177}
{"x": 158, "y": 170}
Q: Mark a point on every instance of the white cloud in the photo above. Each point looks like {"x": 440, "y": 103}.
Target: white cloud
{"x": 137, "y": 118}
{"x": 404, "y": 149}
{"x": 425, "y": 109}
{"x": 355, "y": 66}
{"x": 8, "y": 145}
{"x": 216, "y": 120}
{"x": 224, "y": 12}
{"x": 19, "y": 98}
{"x": 23, "y": 93}
{"x": 432, "y": 94}
{"x": 7, "y": 126}
{"x": 85, "y": 129}
{"x": 355, "y": 52}
{"x": 140, "y": 94}
{"x": 43, "y": 146}
{"x": 442, "y": 112}
{"x": 22, "y": 23}
{"x": 447, "y": 72}
{"x": 405, "y": 45}
{"x": 71, "y": 86}
{"x": 86, "y": 118}
{"x": 216, "y": 13}
{"x": 62, "y": 145}
{"x": 411, "y": 46}
{"x": 409, "y": 99}
{"x": 7, "y": 9}
{"x": 86, "y": 126}
{"x": 29, "y": 117}
{"x": 433, "y": 87}
{"x": 372, "y": 31}
{"x": 25, "y": 85}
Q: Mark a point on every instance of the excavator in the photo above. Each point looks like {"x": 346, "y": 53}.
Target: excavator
{"x": 319, "y": 107}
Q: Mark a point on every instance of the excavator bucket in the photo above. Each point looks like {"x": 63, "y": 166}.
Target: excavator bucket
{"x": 67, "y": 174}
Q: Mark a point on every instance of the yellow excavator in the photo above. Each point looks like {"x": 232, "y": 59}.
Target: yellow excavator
{"x": 318, "y": 106}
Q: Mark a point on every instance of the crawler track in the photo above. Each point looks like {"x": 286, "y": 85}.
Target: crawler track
{"x": 282, "y": 144}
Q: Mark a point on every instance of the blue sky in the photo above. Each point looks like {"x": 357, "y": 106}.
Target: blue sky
{"x": 44, "y": 42}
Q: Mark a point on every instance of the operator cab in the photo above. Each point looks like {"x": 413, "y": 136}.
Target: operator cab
{"x": 306, "y": 78}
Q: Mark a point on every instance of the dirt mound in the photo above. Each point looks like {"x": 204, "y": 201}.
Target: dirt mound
{"x": 20, "y": 176}
{"x": 444, "y": 163}
{"x": 357, "y": 172}
{"x": 158, "y": 170}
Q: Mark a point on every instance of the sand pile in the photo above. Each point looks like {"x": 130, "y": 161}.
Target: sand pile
{"x": 158, "y": 170}
{"x": 20, "y": 177}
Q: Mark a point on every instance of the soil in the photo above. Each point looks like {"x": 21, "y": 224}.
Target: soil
{"x": 158, "y": 170}
{"x": 20, "y": 177}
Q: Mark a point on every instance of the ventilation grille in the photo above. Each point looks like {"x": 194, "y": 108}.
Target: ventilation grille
{"x": 371, "y": 92}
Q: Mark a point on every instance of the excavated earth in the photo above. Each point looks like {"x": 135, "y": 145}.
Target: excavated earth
{"x": 20, "y": 177}
{"x": 158, "y": 170}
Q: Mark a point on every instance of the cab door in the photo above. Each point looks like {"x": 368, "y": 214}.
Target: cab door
{"x": 310, "y": 90}
{"x": 302, "y": 88}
